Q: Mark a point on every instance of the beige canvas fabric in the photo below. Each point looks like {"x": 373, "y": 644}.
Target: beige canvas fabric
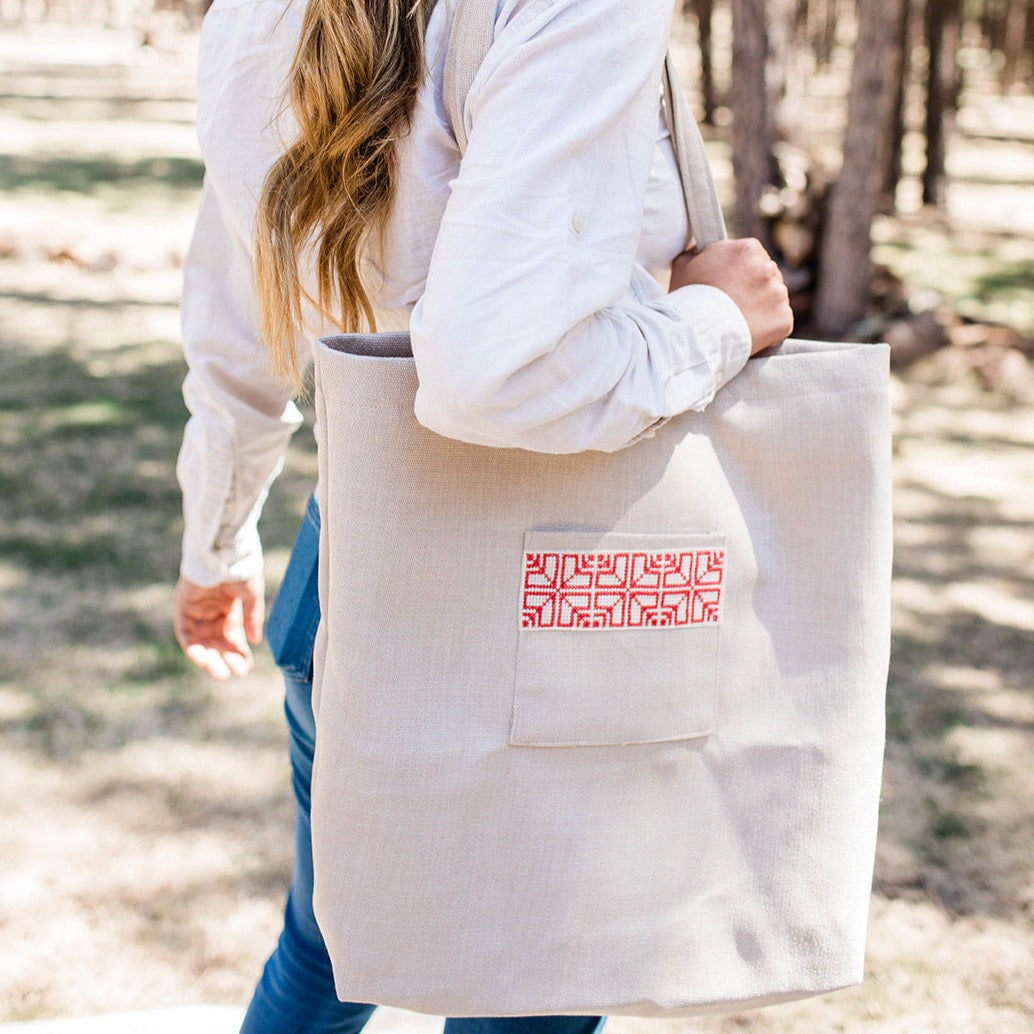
{"x": 708, "y": 842}
{"x": 601, "y": 733}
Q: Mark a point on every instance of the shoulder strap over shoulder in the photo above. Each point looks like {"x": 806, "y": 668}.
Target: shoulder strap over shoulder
{"x": 470, "y": 38}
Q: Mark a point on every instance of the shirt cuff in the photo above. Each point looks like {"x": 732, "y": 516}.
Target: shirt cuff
{"x": 243, "y": 560}
{"x": 722, "y": 336}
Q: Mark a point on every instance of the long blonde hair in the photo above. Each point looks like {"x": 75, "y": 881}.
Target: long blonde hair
{"x": 352, "y": 88}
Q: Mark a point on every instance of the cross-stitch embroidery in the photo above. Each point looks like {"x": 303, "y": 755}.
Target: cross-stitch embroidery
{"x": 634, "y": 589}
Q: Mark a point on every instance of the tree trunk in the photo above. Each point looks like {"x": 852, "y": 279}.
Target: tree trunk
{"x": 845, "y": 266}
{"x": 777, "y": 47}
{"x": 942, "y": 41}
{"x": 786, "y": 83}
{"x": 823, "y": 18}
{"x": 752, "y": 135}
{"x": 1015, "y": 44}
{"x": 801, "y": 20}
{"x": 704, "y": 12}
{"x": 887, "y": 202}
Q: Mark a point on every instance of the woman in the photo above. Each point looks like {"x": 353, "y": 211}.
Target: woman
{"x": 355, "y": 199}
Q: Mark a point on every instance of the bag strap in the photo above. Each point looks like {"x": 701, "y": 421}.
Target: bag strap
{"x": 469, "y": 41}
{"x": 706, "y": 221}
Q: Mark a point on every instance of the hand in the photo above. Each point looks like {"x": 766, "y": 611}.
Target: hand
{"x": 214, "y": 625}
{"x": 746, "y": 273}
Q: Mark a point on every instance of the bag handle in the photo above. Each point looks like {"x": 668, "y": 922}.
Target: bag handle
{"x": 469, "y": 41}
{"x": 706, "y": 221}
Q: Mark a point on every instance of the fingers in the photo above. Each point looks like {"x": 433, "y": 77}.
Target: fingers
{"x": 216, "y": 647}
{"x": 214, "y": 624}
{"x": 745, "y": 271}
{"x": 220, "y": 664}
{"x": 253, "y": 604}
{"x": 780, "y": 314}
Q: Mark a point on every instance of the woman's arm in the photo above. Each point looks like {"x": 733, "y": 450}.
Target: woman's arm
{"x": 536, "y": 329}
{"x": 242, "y": 416}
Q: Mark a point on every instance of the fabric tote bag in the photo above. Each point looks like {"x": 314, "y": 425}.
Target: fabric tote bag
{"x": 602, "y": 733}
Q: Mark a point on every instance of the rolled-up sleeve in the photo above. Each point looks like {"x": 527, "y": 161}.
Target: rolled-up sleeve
{"x": 242, "y": 415}
{"x": 537, "y": 329}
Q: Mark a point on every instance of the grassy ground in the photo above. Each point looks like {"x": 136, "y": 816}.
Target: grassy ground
{"x": 145, "y": 814}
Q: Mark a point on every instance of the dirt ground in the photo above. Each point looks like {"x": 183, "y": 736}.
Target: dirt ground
{"x": 145, "y": 820}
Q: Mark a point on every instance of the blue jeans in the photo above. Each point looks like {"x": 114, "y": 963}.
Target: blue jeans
{"x": 296, "y": 992}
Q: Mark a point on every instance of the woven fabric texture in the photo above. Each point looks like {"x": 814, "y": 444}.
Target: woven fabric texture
{"x": 645, "y": 821}
{"x": 603, "y": 732}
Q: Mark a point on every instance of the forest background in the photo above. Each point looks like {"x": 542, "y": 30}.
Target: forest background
{"x": 145, "y": 813}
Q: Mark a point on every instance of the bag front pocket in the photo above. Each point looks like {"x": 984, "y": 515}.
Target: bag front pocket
{"x": 618, "y": 640}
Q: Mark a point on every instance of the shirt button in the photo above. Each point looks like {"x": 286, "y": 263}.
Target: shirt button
{"x": 577, "y": 222}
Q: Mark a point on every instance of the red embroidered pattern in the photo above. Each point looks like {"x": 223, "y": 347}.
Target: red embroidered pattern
{"x": 622, "y": 590}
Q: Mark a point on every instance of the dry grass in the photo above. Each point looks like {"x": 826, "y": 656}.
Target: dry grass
{"x": 145, "y": 818}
